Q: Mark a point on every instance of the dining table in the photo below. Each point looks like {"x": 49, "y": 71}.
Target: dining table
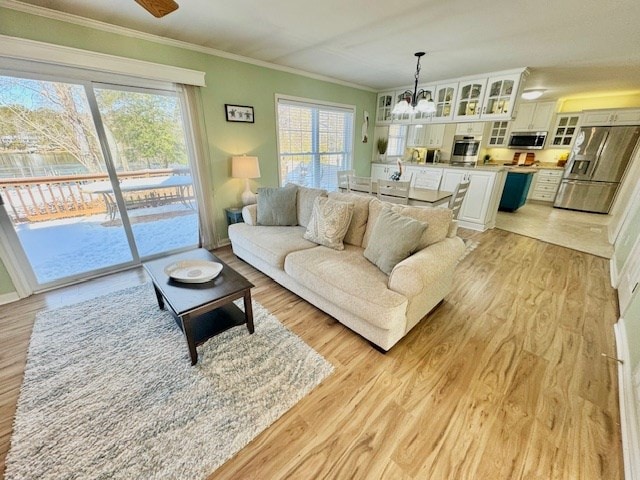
{"x": 418, "y": 196}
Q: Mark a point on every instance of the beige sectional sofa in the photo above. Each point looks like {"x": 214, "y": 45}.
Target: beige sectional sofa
{"x": 343, "y": 283}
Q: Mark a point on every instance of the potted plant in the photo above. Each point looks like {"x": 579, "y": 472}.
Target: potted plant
{"x": 383, "y": 143}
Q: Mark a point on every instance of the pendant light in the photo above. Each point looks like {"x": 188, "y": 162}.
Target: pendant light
{"x": 416, "y": 101}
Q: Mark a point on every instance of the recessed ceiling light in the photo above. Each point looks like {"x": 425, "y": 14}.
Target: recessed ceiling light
{"x": 532, "y": 94}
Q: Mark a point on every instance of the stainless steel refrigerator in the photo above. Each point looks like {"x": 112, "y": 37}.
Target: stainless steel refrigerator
{"x": 595, "y": 168}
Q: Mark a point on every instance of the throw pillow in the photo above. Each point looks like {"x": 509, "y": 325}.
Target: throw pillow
{"x": 394, "y": 238}
{"x": 306, "y": 197}
{"x": 329, "y": 222}
{"x": 277, "y": 206}
{"x": 358, "y": 224}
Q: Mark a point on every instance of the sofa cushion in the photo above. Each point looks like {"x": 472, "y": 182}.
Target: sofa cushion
{"x": 393, "y": 238}
{"x": 271, "y": 244}
{"x": 329, "y": 222}
{"x": 350, "y": 281}
{"x": 306, "y": 197}
{"x": 358, "y": 224}
{"x": 277, "y": 206}
{"x": 438, "y": 220}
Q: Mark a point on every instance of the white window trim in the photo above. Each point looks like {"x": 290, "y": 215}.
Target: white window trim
{"x": 311, "y": 101}
{"x": 31, "y": 50}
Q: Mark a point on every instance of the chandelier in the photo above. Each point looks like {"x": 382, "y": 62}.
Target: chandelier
{"x": 416, "y": 101}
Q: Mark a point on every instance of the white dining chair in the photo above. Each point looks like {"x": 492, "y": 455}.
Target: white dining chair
{"x": 394, "y": 192}
{"x": 458, "y": 195}
{"x": 343, "y": 178}
{"x": 359, "y": 184}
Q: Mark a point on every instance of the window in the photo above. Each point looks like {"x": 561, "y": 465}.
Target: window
{"x": 397, "y": 141}
{"x": 315, "y": 141}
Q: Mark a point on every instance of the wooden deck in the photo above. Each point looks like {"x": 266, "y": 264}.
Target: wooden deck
{"x": 505, "y": 380}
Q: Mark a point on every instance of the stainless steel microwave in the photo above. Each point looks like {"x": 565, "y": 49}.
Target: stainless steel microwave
{"x": 527, "y": 140}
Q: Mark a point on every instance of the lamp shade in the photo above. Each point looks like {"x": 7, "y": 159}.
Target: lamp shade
{"x": 245, "y": 167}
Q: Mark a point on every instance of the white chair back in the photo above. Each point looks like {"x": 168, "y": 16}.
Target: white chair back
{"x": 343, "y": 178}
{"x": 458, "y": 195}
{"x": 394, "y": 192}
{"x": 359, "y": 184}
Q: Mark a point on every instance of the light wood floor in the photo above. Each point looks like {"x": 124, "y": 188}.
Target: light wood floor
{"x": 505, "y": 380}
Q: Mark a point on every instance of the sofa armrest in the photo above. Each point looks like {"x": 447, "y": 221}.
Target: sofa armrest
{"x": 250, "y": 214}
{"x": 453, "y": 229}
{"x": 423, "y": 268}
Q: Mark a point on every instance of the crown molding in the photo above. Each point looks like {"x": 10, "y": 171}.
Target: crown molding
{"x": 131, "y": 33}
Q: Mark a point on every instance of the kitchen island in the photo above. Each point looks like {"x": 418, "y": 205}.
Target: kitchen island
{"x": 480, "y": 206}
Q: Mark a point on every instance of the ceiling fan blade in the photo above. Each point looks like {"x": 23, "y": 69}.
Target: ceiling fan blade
{"x": 158, "y": 8}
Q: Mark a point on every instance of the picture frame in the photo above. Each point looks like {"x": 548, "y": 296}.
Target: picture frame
{"x": 239, "y": 113}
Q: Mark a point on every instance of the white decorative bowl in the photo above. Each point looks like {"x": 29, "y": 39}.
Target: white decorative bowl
{"x": 193, "y": 271}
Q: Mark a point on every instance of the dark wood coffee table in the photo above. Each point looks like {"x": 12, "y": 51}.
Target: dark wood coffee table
{"x": 202, "y": 310}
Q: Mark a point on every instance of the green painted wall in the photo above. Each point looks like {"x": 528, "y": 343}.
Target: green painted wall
{"x": 228, "y": 81}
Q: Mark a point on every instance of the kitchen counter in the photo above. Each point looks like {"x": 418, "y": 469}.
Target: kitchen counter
{"x": 491, "y": 168}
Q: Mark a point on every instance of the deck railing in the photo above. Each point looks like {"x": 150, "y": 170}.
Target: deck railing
{"x": 33, "y": 199}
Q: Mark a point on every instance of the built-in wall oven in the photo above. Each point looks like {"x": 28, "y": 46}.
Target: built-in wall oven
{"x": 465, "y": 150}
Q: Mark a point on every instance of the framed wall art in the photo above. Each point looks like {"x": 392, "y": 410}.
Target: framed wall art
{"x": 239, "y": 113}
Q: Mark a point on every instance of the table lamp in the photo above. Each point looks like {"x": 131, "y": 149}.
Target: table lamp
{"x": 246, "y": 167}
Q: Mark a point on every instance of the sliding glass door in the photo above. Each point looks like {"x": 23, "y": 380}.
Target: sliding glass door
{"x": 92, "y": 177}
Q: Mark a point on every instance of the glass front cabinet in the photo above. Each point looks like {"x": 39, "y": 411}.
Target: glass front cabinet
{"x": 469, "y": 103}
{"x": 498, "y": 134}
{"x": 500, "y": 97}
{"x": 565, "y": 130}
{"x": 445, "y": 98}
{"x": 384, "y": 106}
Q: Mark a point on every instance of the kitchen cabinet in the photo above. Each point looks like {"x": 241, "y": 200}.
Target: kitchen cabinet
{"x": 469, "y": 101}
{"x": 564, "y": 130}
{"x": 516, "y": 187}
{"x": 445, "y": 97}
{"x": 384, "y": 106}
{"x": 500, "y": 96}
{"x": 430, "y": 136}
{"x": 480, "y": 204}
{"x": 383, "y": 171}
{"x": 545, "y": 184}
{"x": 380, "y": 171}
{"x": 416, "y": 136}
{"x": 622, "y": 116}
{"x": 470, "y": 128}
{"x": 498, "y": 134}
{"x": 424, "y": 177}
{"x": 533, "y": 117}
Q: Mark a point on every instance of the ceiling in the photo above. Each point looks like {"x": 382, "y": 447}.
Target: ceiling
{"x": 573, "y": 48}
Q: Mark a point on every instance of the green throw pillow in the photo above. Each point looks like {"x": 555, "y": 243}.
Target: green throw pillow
{"x": 277, "y": 206}
{"x": 329, "y": 222}
{"x": 394, "y": 237}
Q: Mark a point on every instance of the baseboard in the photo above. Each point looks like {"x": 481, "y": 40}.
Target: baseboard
{"x": 613, "y": 271}
{"x": 9, "y": 297}
{"x": 629, "y": 406}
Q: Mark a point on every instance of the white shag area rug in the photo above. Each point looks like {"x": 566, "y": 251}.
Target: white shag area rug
{"x": 109, "y": 391}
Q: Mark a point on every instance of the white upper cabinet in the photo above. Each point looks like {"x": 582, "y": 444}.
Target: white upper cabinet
{"x": 564, "y": 130}
{"x": 534, "y": 117}
{"x": 471, "y": 128}
{"x": 445, "y": 98}
{"x": 498, "y": 134}
{"x": 435, "y": 135}
{"x": 384, "y": 106}
{"x": 623, "y": 116}
{"x": 416, "y": 136}
{"x": 500, "y": 97}
{"x": 470, "y": 97}
{"x": 489, "y": 97}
